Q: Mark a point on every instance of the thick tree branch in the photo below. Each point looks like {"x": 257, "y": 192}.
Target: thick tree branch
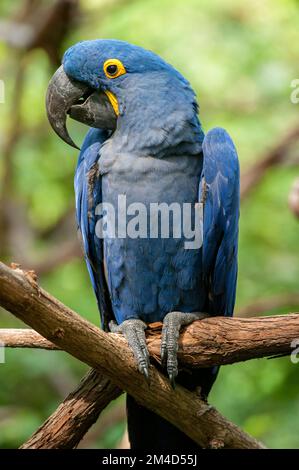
{"x": 238, "y": 339}
{"x": 65, "y": 428}
{"x": 21, "y": 295}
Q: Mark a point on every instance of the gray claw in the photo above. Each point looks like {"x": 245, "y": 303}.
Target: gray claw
{"x": 144, "y": 370}
{"x": 133, "y": 331}
{"x": 172, "y": 324}
{"x": 172, "y": 378}
{"x": 163, "y": 355}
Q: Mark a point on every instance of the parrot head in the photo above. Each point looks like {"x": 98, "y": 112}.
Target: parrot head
{"x": 110, "y": 84}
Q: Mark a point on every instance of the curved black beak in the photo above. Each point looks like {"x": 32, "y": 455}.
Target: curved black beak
{"x": 66, "y": 96}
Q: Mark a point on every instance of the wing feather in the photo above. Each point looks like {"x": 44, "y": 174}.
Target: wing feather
{"x": 88, "y": 194}
{"x": 219, "y": 190}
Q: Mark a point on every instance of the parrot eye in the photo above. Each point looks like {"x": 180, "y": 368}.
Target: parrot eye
{"x": 113, "y": 68}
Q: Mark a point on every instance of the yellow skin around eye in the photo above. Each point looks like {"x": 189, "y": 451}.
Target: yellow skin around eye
{"x": 120, "y": 68}
{"x": 120, "y": 71}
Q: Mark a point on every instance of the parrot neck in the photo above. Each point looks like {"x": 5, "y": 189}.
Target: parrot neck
{"x": 159, "y": 120}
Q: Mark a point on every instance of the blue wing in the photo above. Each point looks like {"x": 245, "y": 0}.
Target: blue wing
{"x": 88, "y": 193}
{"x": 219, "y": 190}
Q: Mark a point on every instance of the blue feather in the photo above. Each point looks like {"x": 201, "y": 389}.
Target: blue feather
{"x": 157, "y": 153}
{"x": 88, "y": 194}
{"x": 221, "y": 215}
{"x": 146, "y": 278}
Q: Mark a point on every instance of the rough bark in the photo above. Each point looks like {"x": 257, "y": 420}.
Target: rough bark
{"x": 20, "y": 294}
{"x": 219, "y": 340}
{"x": 238, "y": 339}
{"x": 24, "y": 338}
{"x": 65, "y": 428}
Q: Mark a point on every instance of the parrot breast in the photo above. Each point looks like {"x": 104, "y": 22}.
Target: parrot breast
{"x": 149, "y": 277}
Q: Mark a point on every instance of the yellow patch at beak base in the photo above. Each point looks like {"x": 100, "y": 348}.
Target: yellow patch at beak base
{"x": 113, "y": 100}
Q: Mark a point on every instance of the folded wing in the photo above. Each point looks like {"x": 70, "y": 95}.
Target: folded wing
{"x": 219, "y": 191}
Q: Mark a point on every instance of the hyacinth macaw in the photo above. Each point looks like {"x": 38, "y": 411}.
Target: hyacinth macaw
{"x": 146, "y": 142}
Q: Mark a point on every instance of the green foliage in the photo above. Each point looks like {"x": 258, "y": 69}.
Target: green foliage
{"x": 240, "y": 60}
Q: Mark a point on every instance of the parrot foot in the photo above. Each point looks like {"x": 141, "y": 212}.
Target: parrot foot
{"x": 133, "y": 331}
{"x": 172, "y": 324}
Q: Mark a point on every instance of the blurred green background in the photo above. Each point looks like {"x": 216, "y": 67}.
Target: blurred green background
{"x": 240, "y": 59}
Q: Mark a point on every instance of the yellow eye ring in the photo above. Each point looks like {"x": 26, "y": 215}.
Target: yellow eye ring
{"x": 113, "y": 68}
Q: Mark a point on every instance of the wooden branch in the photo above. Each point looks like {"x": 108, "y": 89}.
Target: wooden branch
{"x": 251, "y": 177}
{"x": 24, "y": 338}
{"x": 238, "y": 339}
{"x": 20, "y": 294}
{"x": 65, "y": 428}
{"x": 115, "y": 416}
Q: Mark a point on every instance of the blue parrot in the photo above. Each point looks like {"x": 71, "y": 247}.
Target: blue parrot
{"x": 146, "y": 144}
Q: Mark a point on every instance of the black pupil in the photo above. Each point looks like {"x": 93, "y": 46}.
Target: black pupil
{"x": 112, "y": 69}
